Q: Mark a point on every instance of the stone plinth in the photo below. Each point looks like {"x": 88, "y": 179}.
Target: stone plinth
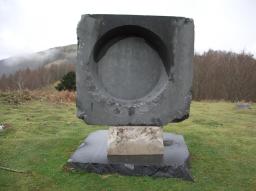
{"x": 135, "y": 140}
{"x": 92, "y": 156}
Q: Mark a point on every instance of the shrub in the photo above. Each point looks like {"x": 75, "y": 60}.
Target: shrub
{"x": 68, "y": 82}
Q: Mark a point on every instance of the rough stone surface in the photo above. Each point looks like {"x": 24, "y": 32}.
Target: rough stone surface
{"x": 135, "y": 140}
{"x": 92, "y": 156}
{"x": 134, "y": 70}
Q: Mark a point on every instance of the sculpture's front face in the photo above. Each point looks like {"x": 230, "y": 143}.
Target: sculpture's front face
{"x": 134, "y": 70}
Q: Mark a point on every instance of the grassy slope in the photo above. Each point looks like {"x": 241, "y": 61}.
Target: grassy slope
{"x": 222, "y": 142}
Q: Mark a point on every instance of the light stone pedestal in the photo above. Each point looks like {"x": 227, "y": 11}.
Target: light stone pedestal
{"x": 135, "y": 140}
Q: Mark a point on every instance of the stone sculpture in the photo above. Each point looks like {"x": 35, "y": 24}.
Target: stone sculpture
{"x": 134, "y": 73}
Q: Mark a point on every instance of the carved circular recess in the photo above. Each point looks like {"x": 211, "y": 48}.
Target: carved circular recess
{"x": 130, "y": 63}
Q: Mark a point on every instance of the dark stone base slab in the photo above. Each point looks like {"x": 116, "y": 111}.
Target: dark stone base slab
{"x": 91, "y": 156}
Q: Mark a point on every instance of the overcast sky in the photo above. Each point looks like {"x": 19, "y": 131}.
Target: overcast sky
{"x": 32, "y": 25}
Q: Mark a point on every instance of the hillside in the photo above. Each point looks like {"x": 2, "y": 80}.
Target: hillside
{"x": 57, "y": 55}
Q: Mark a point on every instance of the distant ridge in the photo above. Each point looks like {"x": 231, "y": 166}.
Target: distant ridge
{"x": 57, "y": 55}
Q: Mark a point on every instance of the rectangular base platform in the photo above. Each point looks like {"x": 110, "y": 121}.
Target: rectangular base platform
{"x": 91, "y": 156}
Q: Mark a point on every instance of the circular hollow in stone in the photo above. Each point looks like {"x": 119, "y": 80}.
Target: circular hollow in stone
{"x": 130, "y": 69}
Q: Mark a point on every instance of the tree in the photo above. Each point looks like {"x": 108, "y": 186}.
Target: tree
{"x": 68, "y": 82}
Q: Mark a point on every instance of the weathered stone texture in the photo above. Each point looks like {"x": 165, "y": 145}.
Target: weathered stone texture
{"x": 134, "y": 70}
{"x": 135, "y": 140}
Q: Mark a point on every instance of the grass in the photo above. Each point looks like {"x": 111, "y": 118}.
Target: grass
{"x": 42, "y": 135}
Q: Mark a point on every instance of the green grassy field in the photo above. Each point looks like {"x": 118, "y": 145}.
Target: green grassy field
{"x": 42, "y": 135}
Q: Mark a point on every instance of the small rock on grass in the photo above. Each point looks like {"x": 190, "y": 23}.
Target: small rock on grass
{"x": 241, "y": 105}
{"x": 4, "y": 126}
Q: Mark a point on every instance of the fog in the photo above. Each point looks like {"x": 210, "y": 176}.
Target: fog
{"x": 28, "y": 26}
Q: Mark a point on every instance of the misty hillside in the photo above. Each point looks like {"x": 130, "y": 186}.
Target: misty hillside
{"x": 53, "y": 56}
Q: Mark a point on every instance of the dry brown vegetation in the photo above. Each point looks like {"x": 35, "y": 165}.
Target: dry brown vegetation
{"x": 222, "y": 75}
{"x": 45, "y": 94}
{"x": 52, "y": 95}
{"x": 34, "y": 79}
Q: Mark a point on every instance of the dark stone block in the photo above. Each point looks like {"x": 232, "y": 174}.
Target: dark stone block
{"x": 134, "y": 70}
{"x": 91, "y": 156}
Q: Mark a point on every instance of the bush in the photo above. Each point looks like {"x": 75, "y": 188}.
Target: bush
{"x": 68, "y": 82}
